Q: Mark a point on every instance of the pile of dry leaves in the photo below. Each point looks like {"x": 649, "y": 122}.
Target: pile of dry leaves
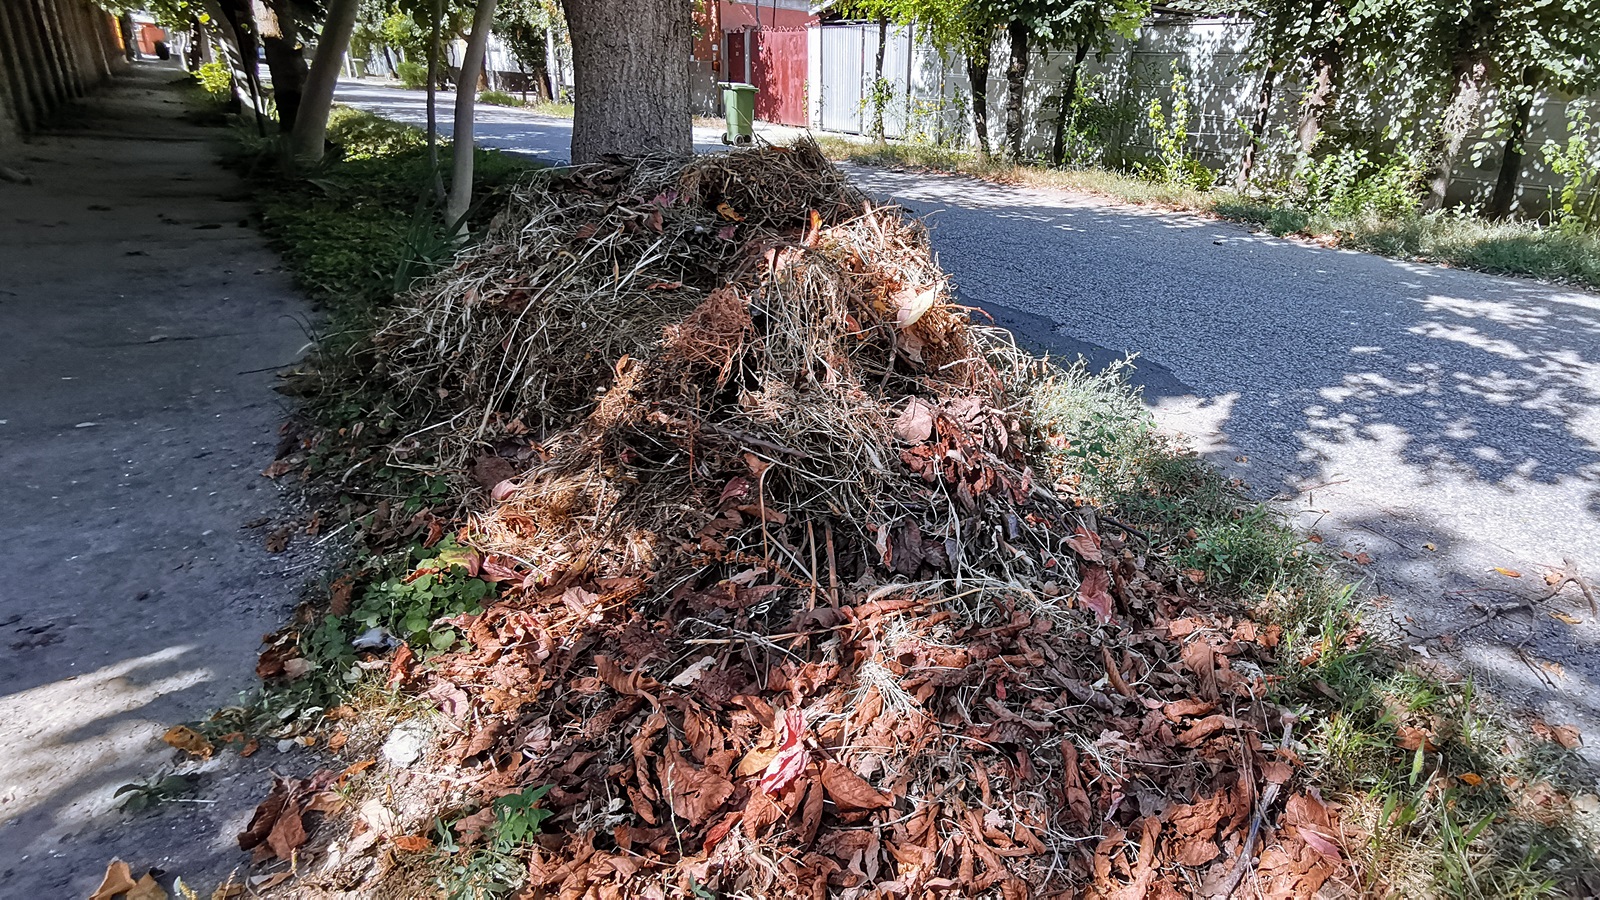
{"x": 782, "y": 608}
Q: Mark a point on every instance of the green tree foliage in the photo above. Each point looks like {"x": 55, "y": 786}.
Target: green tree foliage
{"x": 1459, "y": 50}
{"x": 525, "y": 26}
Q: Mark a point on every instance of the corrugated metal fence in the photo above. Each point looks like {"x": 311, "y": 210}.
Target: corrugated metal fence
{"x": 848, "y": 60}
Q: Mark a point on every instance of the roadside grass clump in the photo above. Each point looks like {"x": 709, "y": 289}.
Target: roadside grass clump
{"x": 1108, "y": 183}
{"x": 559, "y": 109}
{"x": 1450, "y": 238}
{"x": 498, "y": 98}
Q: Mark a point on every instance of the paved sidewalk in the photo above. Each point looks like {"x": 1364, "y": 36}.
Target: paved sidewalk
{"x": 140, "y": 320}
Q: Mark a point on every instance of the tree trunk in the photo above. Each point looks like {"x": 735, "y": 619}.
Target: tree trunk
{"x": 1016, "y": 78}
{"x": 1258, "y": 125}
{"x": 125, "y": 26}
{"x": 455, "y": 213}
{"x": 1505, "y": 184}
{"x": 1067, "y": 114}
{"x": 1315, "y": 109}
{"x": 311, "y": 125}
{"x": 239, "y": 40}
{"x": 978, "y": 79}
{"x": 1468, "y": 76}
{"x": 275, "y": 23}
{"x": 878, "y": 97}
{"x": 630, "y": 62}
{"x": 433, "y": 98}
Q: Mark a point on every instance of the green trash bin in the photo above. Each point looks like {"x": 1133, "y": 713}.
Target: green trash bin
{"x": 739, "y": 107}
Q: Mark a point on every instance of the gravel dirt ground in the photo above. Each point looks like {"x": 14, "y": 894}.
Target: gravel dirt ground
{"x": 141, "y": 318}
{"x": 1436, "y": 425}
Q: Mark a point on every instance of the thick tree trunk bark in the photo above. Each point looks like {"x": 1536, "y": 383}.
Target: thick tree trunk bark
{"x": 878, "y": 99}
{"x": 1325, "y": 82}
{"x": 1505, "y": 183}
{"x": 466, "y": 104}
{"x": 1461, "y": 116}
{"x": 1016, "y": 78}
{"x": 1258, "y": 124}
{"x": 1066, "y": 114}
{"x": 279, "y": 32}
{"x": 978, "y": 79}
{"x": 311, "y": 123}
{"x": 630, "y": 62}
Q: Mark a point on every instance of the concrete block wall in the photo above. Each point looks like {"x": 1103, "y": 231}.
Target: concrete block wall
{"x": 1222, "y": 92}
{"x": 51, "y": 51}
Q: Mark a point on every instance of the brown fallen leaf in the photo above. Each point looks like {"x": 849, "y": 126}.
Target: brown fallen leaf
{"x": 1470, "y": 779}
{"x": 1410, "y": 737}
{"x": 278, "y": 468}
{"x": 145, "y": 888}
{"x": 189, "y": 741}
{"x": 412, "y": 843}
{"x": 850, "y": 791}
{"x": 1568, "y": 736}
{"x": 353, "y": 770}
{"x": 1094, "y": 591}
{"x": 117, "y": 880}
{"x": 278, "y": 541}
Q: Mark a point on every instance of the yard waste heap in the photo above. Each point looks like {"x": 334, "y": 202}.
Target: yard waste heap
{"x": 789, "y": 598}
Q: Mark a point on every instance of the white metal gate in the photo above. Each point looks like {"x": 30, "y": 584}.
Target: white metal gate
{"x": 849, "y": 53}
{"x": 841, "y": 78}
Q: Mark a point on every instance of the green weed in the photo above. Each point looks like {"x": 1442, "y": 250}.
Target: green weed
{"x": 215, "y": 79}
{"x": 407, "y": 603}
{"x": 141, "y": 795}
{"x": 493, "y": 869}
{"x": 413, "y": 75}
{"x": 498, "y": 98}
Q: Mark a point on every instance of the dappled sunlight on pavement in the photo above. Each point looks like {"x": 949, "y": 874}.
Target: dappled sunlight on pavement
{"x": 86, "y": 718}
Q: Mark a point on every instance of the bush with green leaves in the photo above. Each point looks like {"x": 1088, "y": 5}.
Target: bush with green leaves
{"x": 1350, "y": 182}
{"x": 216, "y": 79}
{"x": 412, "y": 74}
{"x": 361, "y": 135}
{"x": 1172, "y": 163}
{"x": 410, "y": 604}
{"x": 1575, "y": 162}
{"x": 498, "y": 98}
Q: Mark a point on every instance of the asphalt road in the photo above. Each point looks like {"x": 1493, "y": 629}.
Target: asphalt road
{"x": 1445, "y": 423}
